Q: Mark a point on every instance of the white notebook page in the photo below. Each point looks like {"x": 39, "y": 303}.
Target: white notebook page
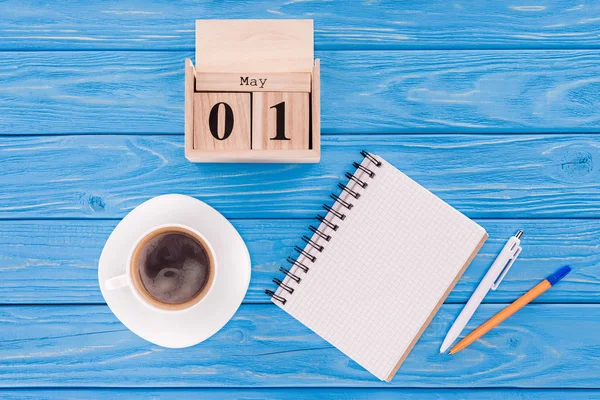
{"x": 385, "y": 271}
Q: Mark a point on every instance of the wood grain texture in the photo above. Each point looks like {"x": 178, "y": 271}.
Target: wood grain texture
{"x": 254, "y": 45}
{"x": 295, "y": 394}
{"x": 484, "y": 176}
{"x": 254, "y": 156}
{"x": 362, "y": 92}
{"x": 294, "y": 118}
{"x": 238, "y": 105}
{"x": 56, "y": 261}
{"x": 543, "y": 346}
{"x": 190, "y": 73}
{"x": 133, "y": 24}
{"x": 315, "y": 98}
{"x": 245, "y": 82}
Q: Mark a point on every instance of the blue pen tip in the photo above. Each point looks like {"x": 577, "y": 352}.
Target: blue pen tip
{"x": 558, "y": 275}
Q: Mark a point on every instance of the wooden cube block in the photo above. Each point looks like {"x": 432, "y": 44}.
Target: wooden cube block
{"x": 281, "y": 121}
{"x": 222, "y": 121}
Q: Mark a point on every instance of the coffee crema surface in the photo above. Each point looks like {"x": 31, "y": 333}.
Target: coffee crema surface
{"x": 174, "y": 267}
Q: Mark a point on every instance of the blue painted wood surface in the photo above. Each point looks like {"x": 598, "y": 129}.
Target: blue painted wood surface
{"x": 39, "y": 266}
{"x": 295, "y": 394}
{"x": 417, "y": 91}
{"x": 544, "y": 346}
{"x": 484, "y": 176}
{"x": 492, "y": 105}
{"x": 387, "y": 24}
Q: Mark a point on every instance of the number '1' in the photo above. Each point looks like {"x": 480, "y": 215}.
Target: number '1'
{"x": 280, "y": 130}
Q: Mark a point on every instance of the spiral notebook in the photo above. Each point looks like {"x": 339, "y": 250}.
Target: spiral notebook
{"x": 378, "y": 266}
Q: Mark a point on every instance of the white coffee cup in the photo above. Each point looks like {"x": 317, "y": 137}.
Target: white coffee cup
{"x": 143, "y": 248}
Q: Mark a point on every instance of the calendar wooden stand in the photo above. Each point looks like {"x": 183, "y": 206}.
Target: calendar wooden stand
{"x": 254, "y": 95}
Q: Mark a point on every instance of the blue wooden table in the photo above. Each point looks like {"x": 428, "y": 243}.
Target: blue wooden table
{"x": 492, "y": 105}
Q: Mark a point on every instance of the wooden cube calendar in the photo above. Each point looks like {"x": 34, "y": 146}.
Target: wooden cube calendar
{"x": 254, "y": 95}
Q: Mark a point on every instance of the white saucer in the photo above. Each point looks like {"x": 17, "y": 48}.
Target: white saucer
{"x": 201, "y": 321}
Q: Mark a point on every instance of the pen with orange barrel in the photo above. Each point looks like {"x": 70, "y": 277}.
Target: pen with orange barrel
{"x": 511, "y": 309}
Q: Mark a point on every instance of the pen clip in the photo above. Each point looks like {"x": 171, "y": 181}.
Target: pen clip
{"x": 506, "y": 268}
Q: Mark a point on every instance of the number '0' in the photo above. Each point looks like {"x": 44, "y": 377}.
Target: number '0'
{"x": 213, "y": 121}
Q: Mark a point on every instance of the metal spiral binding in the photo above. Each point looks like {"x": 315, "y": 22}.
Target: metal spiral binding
{"x": 327, "y": 223}
{"x": 330, "y": 210}
{"x": 271, "y": 293}
{"x": 298, "y": 264}
{"x": 322, "y": 235}
{"x": 313, "y": 244}
{"x": 283, "y": 286}
{"x": 368, "y": 155}
{"x": 338, "y": 199}
{"x": 363, "y": 169}
{"x": 296, "y": 278}
{"x": 305, "y": 254}
{"x": 362, "y": 184}
{"x": 351, "y": 192}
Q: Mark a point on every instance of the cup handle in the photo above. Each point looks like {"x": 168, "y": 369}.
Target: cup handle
{"x": 117, "y": 282}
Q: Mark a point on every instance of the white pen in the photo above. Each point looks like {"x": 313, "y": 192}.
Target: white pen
{"x": 491, "y": 280}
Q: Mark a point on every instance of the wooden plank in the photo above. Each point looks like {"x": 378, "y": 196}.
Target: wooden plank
{"x": 134, "y": 24}
{"x": 295, "y": 394}
{"x": 254, "y": 156}
{"x": 315, "y": 98}
{"x": 543, "y": 346}
{"x": 291, "y": 110}
{"x": 240, "y": 107}
{"x": 484, "y": 176}
{"x": 245, "y": 82}
{"x": 188, "y": 124}
{"x": 254, "y": 45}
{"x": 363, "y": 92}
{"x": 56, "y": 261}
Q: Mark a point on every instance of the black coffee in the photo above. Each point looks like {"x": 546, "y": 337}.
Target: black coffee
{"x": 173, "y": 267}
